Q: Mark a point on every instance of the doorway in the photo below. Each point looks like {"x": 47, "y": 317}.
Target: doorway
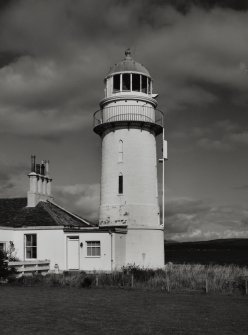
{"x": 73, "y": 252}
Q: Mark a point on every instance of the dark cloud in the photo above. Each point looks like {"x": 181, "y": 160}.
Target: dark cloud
{"x": 241, "y": 188}
{"x": 188, "y": 219}
{"x": 81, "y": 199}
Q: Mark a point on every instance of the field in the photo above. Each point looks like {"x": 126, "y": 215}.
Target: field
{"x": 222, "y": 252}
{"x": 44, "y": 310}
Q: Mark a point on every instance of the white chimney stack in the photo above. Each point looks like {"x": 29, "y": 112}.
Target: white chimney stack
{"x": 39, "y": 183}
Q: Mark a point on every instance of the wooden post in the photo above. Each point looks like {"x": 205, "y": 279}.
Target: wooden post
{"x": 132, "y": 280}
{"x": 167, "y": 284}
{"x": 206, "y": 287}
{"x": 97, "y": 281}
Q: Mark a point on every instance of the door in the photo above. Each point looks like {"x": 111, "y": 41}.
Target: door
{"x": 73, "y": 252}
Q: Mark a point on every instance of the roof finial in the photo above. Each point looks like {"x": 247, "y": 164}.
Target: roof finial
{"x": 128, "y": 53}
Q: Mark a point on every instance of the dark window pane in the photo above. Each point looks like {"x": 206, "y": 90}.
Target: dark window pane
{"x": 126, "y": 82}
{"x": 28, "y": 252}
{"x": 28, "y": 240}
{"x": 117, "y": 83}
{"x": 34, "y": 240}
{"x": 34, "y": 252}
{"x": 136, "y": 82}
{"x": 144, "y": 84}
{"x": 120, "y": 184}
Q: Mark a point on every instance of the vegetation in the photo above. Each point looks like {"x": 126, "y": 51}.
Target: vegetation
{"x": 5, "y": 271}
{"x": 216, "y": 278}
{"x": 221, "y": 252}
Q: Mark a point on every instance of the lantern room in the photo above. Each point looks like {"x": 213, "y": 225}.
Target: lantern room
{"x": 128, "y": 77}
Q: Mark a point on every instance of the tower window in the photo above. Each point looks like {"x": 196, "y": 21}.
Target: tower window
{"x": 136, "y": 82}
{"x": 120, "y": 186}
{"x": 116, "y": 83}
{"x": 120, "y": 151}
{"x": 144, "y": 84}
{"x": 126, "y": 82}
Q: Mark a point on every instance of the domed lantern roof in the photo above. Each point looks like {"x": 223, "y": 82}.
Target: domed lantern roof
{"x": 128, "y": 65}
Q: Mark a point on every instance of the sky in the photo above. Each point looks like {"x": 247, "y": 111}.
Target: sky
{"x": 54, "y": 56}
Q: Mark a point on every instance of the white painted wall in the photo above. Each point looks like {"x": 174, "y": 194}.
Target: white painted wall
{"x": 52, "y": 245}
{"x": 6, "y": 235}
{"x": 145, "y": 248}
{"x": 119, "y": 245}
{"x": 138, "y": 206}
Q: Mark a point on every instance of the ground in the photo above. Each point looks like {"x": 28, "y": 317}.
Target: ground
{"x": 36, "y": 310}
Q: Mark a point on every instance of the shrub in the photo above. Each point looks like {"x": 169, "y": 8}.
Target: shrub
{"x": 5, "y": 270}
{"x": 87, "y": 282}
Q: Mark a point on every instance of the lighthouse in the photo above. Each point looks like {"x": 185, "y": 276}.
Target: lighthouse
{"x": 128, "y": 123}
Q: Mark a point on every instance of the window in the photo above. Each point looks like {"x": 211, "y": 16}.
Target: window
{"x": 120, "y": 151}
{"x": 93, "y": 248}
{"x": 144, "y": 84}
{"x": 30, "y": 246}
{"x": 2, "y": 246}
{"x": 120, "y": 186}
{"x": 136, "y": 82}
{"x": 149, "y": 86}
{"x": 116, "y": 83}
{"x": 126, "y": 82}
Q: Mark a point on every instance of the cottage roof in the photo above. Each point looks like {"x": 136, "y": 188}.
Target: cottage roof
{"x": 15, "y": 213}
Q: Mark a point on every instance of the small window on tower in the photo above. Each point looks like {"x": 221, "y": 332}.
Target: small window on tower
{"x": 120, "y": 186}
{"x": 136, "y": 82}
{"x": 116, "y": 83}
{"x": 126, "y": 82}
{"x": 144, "y": 84}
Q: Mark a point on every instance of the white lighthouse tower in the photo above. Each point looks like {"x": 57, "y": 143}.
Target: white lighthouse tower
{"x": 128, "y": 123}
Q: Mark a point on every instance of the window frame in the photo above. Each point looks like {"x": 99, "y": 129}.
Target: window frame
{"x": 4, "y": 246}
{"x": 32, "y": 247}
{"x": 144, "y": 81}
{"x": 91, "y": 248}
{"x": 127, "y": 75}
{"x": 118, "y": 75}
{"x": 120, "y": 151}
{"x": 134, "y": 81}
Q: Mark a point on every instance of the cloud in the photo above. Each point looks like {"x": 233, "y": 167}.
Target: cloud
{"x": 82, "y": 199}
{"x": 241, "y": 188}
{"x": 188, "y": 219}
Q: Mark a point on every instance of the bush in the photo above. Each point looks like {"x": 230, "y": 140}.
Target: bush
{"x": 87, "y": 282}
{"x": 5, "y": 271}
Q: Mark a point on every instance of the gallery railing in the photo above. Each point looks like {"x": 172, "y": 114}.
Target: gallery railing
{"x": 128, "y": 113}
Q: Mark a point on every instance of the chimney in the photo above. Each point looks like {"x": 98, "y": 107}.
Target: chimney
{"x": 39, "y": 183}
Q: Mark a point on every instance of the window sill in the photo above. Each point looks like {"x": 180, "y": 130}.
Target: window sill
{"x": 92, "y": 256}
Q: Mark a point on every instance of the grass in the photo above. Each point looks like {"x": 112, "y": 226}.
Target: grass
{"x": 174, "y": 277}
{"x": 47, "y": 310}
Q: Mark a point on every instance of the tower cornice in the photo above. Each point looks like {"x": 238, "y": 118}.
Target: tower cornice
{"x": 116, "y": 98}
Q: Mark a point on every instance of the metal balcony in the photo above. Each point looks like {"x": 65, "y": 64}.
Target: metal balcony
{"x": 122, "y": 116}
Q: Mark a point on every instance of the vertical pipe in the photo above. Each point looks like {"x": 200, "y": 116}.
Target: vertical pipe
{"x": 163, "y": 182}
